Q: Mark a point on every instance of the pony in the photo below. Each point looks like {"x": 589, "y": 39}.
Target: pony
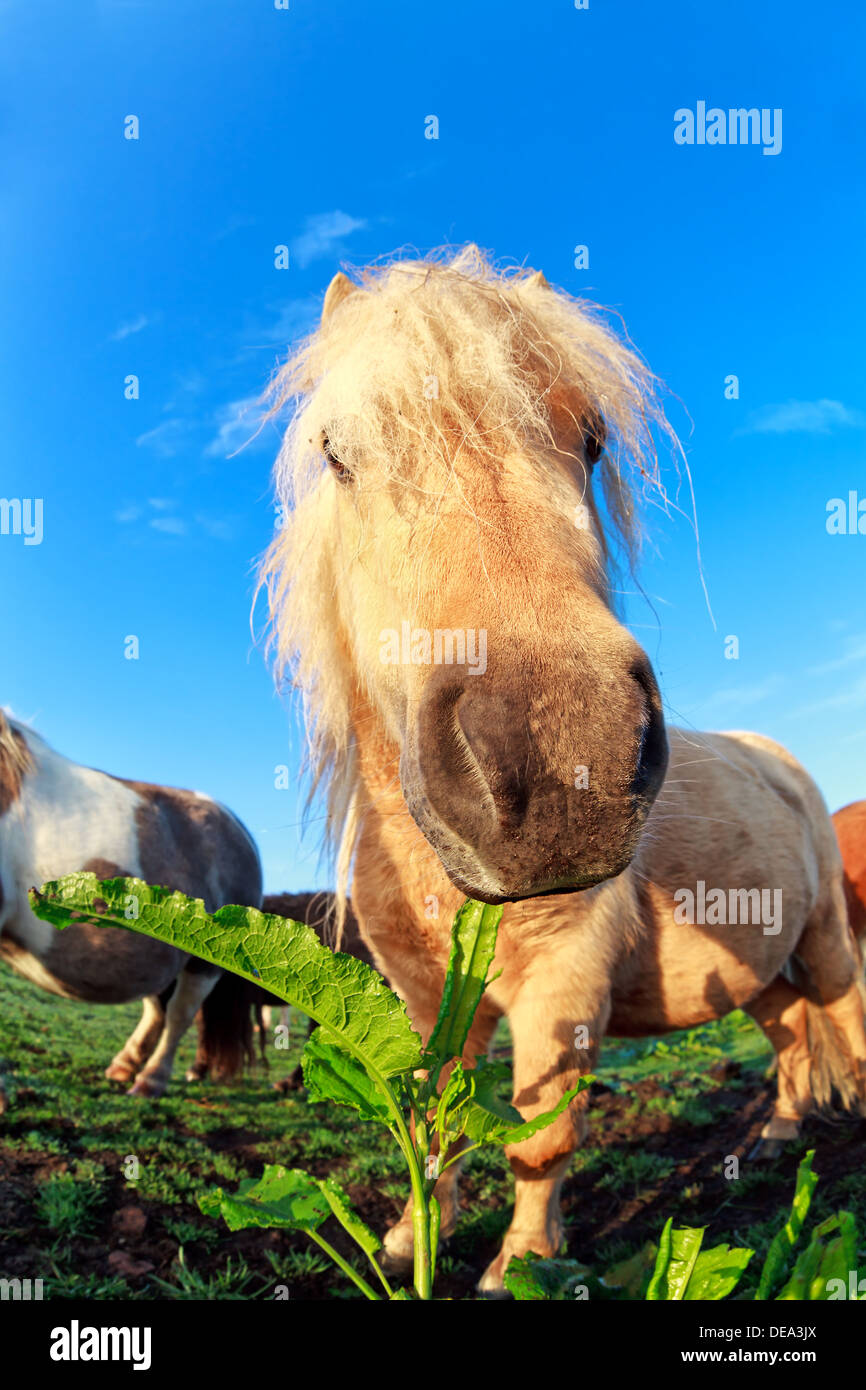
{"x": 460, "y": 478}
{"x": 57, "y": 817}
{"x": 317, "y": 911}
{"x": 850, "y": 826}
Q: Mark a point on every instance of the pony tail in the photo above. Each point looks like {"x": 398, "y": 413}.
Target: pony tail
{"x": 226, "y": 1035}
{"x": 834, "y": 1073}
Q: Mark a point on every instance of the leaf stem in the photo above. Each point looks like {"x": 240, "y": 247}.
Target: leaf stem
{"x": 343, "y": 1264}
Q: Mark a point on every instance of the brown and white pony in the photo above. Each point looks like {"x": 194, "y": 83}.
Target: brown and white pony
{"x": 488, "y": 727}
{"x": 56, "y": 818}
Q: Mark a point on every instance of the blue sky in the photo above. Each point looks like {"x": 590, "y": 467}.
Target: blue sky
{"x": 306, "y": 127}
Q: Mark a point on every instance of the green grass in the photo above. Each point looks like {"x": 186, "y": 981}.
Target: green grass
{"x": 66, "y": 1205}
{"x": 70, "y": 1136}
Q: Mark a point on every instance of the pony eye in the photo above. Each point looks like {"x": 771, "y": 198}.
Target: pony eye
{"x": 337, "y": 467}
{"x": 593, "y": 442}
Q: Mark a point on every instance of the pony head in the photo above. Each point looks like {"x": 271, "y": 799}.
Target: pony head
{"x": 440, "y": 588}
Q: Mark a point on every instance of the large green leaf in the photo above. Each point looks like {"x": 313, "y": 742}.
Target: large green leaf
{"x": 820, "y": 1262}
{"x": 473, "y": 943}
{"x": 330, "y": 1073}
{"x": 685, "y": 1272}
{"x": 678, "y": 1254}
{"x": 348, "y": 1218}
{"x": 531, "y": 1278}
{"x": 717, "y": 1272}
{"x": 281, "y": 1197}
{"x": 476, "y": 1107}
{"x": 530, "y": 1127}
{"x": 477, "y": 1095}
{"x": 784, "y": 1241}
{"x": 343, "y": 995}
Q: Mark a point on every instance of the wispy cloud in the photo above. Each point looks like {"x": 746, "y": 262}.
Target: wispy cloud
{"x": 238, "y": 222}
{"x": 220, "y": 530}
{"x": 803, "y": 417}
{"x": 164, "y": 514}
{"x": 171, "y": 525}
{"x": 852, "y": 697}
{"x": 323, "y": 236}
{"x": 128, "y": 514}
{"x": 856, "y": 652}
{"x": 735, "y": 697}
{"x": 285, "y": 322}
{"x": 239, "y": 425}
{"x": 126, "y": 330}
{"x": 166, "y": 439}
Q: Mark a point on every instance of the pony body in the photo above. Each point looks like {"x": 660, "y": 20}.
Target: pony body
{"x": 737, "y": 812}
{"x": 466, "y": 452}
{"x": 57, "y": 818}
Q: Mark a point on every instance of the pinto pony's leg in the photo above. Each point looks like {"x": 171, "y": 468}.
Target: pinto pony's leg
{"x": 780, "y": 1010}
{"x": 140, "y": 1044}
{"x": 547, "y": 1063}
{"x": 192, "y": 988}
{"x": 201, "y": 1065}
{"x": 268, "y": 1016}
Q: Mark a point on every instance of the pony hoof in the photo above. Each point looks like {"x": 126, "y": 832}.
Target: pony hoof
{"x": 516, "y": 1244}
{"x": 145, "y": 1086}
{"x": 492, "y": 1282}
{"x": 777, "y": 1132}
{"x": 196, "y": 1074}
{"x": 286, "y": 1087}
{"x": 398, "y": 1248}
{"x": 119, "y": 1071}
{"x": 766, "y": 1151}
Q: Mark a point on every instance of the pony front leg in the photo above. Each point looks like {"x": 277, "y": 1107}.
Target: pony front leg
{"x": 192, "y": 988}
{"x": 399, "y": 1241}
{"x": 550, "y": 1056}
{"x": 140, "y": 1044}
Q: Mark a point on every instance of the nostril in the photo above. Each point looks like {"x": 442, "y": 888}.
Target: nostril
{"x": 642, "y": 673}
{"x": 653, "y": 752}
{"x": 499, "y": 753}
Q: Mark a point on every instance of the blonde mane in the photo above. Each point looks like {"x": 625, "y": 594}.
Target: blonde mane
{"x": 433, "y": 357}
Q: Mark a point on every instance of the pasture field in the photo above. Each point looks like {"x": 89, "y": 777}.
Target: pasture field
{"x": 664, "y": 1115}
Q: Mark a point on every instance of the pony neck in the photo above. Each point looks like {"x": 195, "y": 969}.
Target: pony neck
{"x": 398, "y": 874}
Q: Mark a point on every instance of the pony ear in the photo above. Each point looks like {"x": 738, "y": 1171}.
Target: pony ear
{"x": 537, "y": 281}
{"x": 338, "y": 290}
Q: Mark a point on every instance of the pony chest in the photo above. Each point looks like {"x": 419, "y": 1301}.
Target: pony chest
{"x": 409, "y": 949}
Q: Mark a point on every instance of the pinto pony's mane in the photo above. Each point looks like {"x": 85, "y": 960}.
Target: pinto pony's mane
{"x": 15, "y": 761}
{"x": 423, "y": 360}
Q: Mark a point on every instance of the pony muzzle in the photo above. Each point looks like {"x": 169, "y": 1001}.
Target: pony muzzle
{"x": 517, "y": 805}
